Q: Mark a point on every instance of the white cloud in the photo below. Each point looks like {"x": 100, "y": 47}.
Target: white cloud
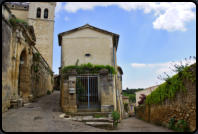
{"x": 137, "y": 65}
{"x": 67, "y": 19}
{"x": 170, "y": 15}
{"x": 163, "y": 67}
{"x": 59, "y": 7}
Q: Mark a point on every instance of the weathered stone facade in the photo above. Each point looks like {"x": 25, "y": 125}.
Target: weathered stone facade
{"x": 43, "y": 27}
{"x": 6, "y": 59}
{"x": 68, "y": 100}
{"x": 97, "y": 46}
{"x": 182, "y": 107}
{"x": 18, "y": 75}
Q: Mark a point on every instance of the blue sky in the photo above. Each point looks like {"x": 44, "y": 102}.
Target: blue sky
{"x": 151, "y": 35}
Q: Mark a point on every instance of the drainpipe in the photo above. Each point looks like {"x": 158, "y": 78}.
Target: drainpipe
{"x": 115, "y": 69}
{"x": 60, "y": 76}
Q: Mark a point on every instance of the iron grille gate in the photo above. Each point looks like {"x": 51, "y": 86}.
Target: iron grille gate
{"x": 92, "y": 96}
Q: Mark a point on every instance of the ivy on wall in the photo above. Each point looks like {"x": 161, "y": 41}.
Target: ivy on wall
{"x": 88, "y": 66}
{"x": 174, "y": 84}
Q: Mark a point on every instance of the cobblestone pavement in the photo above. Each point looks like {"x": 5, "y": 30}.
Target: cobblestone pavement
{"x": 43, "y": 116}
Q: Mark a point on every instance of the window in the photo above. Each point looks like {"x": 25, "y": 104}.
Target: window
{"x": 12, "y": 6}
{"x": 87, "y": 55}
{"x": 131, "y": 107}
{"x": 46, "y": 13}
{"x": 38, "y": 14}
{"x": 24, "y": 7}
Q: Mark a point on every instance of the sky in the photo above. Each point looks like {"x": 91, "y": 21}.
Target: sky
{"x": 152, "y": 35}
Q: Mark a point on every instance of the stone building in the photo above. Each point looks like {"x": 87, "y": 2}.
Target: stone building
{"x": 25, "y": 72}
{"x": 97, "y": 46}
{"x": 146, "y": 91}
{"x": 41, "y": 16}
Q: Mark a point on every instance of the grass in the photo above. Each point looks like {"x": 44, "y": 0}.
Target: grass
{"x": 98, "y": 116}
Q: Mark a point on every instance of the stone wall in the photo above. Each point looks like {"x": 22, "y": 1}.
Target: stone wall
{"x": 182, "y": 107}
{"x": 19, "y": 80}
{"x": 42, "y": 80}
{"x": 6, "y": 60}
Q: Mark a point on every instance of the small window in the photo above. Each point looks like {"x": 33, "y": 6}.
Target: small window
{"x": 38, "y": 14}
{"x": 131, "y": 107}
{"x": 12, "y": 6}
{"x": 24, "y": 7}
{"x": 46, "y": 13}
{"x": 87, "y": 55}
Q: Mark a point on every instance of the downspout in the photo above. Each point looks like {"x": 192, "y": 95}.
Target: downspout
{"x": 115, "y": 68}
{"x": 61, "y": 75}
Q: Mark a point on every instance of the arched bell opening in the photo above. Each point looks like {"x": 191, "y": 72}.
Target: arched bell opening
{"x": 38, "y": 13}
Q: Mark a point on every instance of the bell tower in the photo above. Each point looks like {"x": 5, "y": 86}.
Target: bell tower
{"x": 41, "y": 17}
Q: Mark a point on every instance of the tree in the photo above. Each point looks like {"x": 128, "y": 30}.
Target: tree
{"x": 132, "y": 98}
{"x": 142, "y": 99}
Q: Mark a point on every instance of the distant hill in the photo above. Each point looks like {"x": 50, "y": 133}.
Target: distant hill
{"x": 131, "y": 91}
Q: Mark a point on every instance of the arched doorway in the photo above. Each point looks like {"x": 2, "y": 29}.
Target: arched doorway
{"x": 22, "y": 80}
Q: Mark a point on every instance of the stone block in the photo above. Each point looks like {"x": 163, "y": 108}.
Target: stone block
{"x": 13, "y": 104}
{"x": 20, "y": 102}
{"x": 13, "y": 101}
{"x": 105, "y": 108}
{"x": 30, "y": 98}
{"x": 8, "y": 103}
{"x": 72, "y": 102}
{"x": 105, "y": 101}
{"x": 72, "y": 96}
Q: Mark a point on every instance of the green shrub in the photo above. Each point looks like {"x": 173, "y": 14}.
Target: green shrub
{"x": 172, "y": 123}
{"x": 93, "y": 68}
{"x": 48, "y": 92}
{"x": 182, "y": 126}
{"x": 116, "y": 116}
{"x": 126, "y": 106}
{"x": 13, "y": 21}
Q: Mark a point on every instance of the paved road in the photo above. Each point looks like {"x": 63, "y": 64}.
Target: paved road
{"x": 43, "y": 116}
{"x": 133, "y": 124}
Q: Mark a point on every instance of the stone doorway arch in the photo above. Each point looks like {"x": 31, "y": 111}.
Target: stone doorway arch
{"x": 23, "y": 75}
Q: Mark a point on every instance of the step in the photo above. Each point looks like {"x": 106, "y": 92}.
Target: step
{"x": 97, "y": 120}
{"x": 90, "y": 114}
{"x": 106, "y": 125}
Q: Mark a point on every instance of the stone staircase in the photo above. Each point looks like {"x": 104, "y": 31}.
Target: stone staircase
{"x": 102, "y": 122}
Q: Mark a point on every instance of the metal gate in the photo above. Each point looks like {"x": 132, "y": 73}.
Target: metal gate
{"x": 91, "y": 98}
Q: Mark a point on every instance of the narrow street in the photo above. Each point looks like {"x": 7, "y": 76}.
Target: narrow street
{"x": 43, "y": 116}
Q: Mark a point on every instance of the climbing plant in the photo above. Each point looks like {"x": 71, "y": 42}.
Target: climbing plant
{"x": 80, "y": 90}
{"x": 176, "y": 83}
{"x": 88, "y": 66}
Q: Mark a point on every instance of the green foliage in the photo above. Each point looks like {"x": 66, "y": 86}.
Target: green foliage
{"x": 126, "y": 106}
{"x": 37, "y": 78}
{"x": 172, "y": 123}
{"x": 182, "y": 126}
{"x": 131, "y": 91}
{"x": 48, "y": 92}
{"x": 80, "y": 90}
{"x": 132, "y": 98}
{"x": 36, "y": 56}
{"x": 36, "y": 68}
{"x": 98, "y": 116}
{"x": 13, "y": 21}
{"x": 52, "y": 90}
{"x": 92, "y": 68}
{"x": 169, "y": 89}
{"x": 115, "y": 115}
{"x": 58, "y": 80}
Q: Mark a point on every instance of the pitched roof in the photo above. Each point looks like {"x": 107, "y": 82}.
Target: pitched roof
{"x": 116, "y": 36}
{"x": 125, "y": 97}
